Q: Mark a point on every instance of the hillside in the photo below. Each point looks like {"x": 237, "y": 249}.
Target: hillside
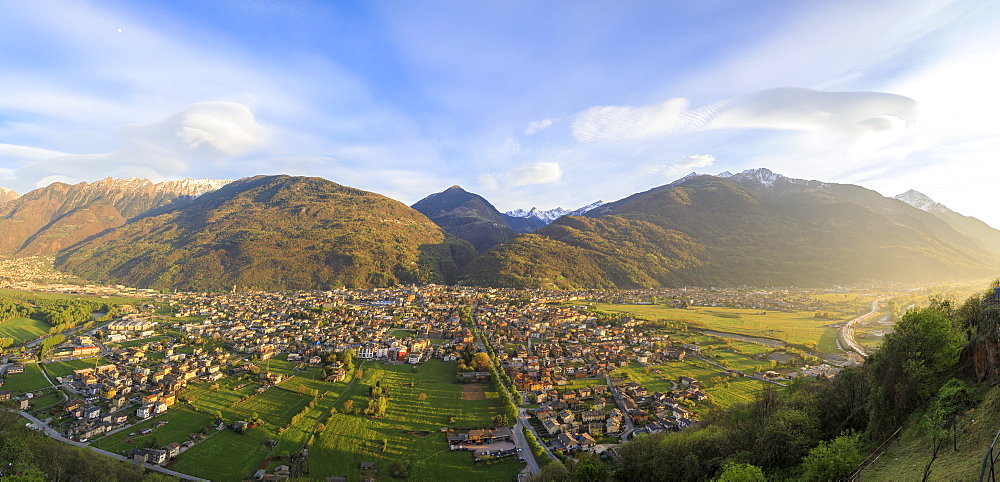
{"x": 754, "y": 228}
{"x": 273, "y": 233}
{"x": 987, "y": 237}
{"x": 57, "y": 216}
{"x": 467, "y": 216}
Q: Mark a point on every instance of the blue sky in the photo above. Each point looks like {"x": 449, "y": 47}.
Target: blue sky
{"x": 527, "y": 103}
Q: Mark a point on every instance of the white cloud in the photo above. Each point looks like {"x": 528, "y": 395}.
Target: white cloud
{"x": 615, "y": 123}
{"x": 537, "y": 173}
{"x": 690, "y": 163}
{"x": 204, "y": 133}
{"x": 538, "y": 125}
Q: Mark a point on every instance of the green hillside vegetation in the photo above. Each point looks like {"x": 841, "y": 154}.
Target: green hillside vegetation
{"x": 467, "y": 216}
{"x": 273, "y": 233}
{"x": 578, "y": 252}
{"x": 710, "y": 231}
{"x": 929, "y": 379}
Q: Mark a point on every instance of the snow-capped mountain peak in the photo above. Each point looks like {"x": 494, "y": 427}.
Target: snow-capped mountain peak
{"x": 920, "y": 201}
{"x": 549, "y": 215}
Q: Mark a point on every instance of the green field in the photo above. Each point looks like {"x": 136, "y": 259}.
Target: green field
{"x": 25, "y": 295}
{"x": 801, "y": 328}
{"x": 225, "y": 456}
{"x": 29, "y": 381}
{"x": 352, "y": 439}
{"x": 181, "y": 423}
{"x": 23, "y": 329}
{"x": 722, "y": 389}
{"x": 132, "y": 343}
{"x": 61, "y": 369}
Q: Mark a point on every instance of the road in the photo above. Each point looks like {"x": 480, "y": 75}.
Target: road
{"x": 522, "y": 442}
{"x": 56, "y": 435}
{"x": 846, "y": 335}
{"x": 616, "y": 394}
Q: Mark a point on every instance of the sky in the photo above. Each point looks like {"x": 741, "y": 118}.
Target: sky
{"x": 545, "y": 104}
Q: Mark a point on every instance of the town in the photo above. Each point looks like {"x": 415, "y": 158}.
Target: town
{"x": 537, "y": 375}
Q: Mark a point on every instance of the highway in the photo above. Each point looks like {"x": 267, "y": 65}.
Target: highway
{"x": 846, "y": 335}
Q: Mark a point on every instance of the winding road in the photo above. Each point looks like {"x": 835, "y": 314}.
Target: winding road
{"x": 845, "y": 337}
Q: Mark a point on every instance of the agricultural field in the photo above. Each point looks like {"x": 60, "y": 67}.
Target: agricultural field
{"x": 723, "y": 390}
{"x": 46, "y": 398}
{"x": 181, "y": 423}
{"x": 801, "y": 328}
{"x": 61, "y": 369}
{"x": 143, "y": 341}
{"x": 29, "y": 381}
{"x": 23, "y": 329}
{"x": 225, "y": 456}
{"x": 116, "y": 300}
{"x": 410, "y": 431}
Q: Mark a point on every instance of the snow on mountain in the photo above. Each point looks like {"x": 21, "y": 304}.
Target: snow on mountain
{"x": 549, "y": 215}
{"x": 183, "y": 187}
{"x": 7, "y": 195}
{"x": 920, "y": 201}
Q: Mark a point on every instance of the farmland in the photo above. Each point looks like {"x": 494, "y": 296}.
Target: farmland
{"x": 31, "y": 380}
{"x": 800, "y": 328}
{"x": 411, "y": 428}
{"x": 23, "y": 329}
{"x": 61, "y": 369}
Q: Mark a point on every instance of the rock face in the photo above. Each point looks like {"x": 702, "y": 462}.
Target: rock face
{"x": 273, "y": 233}
{"x": 51, "y": 218}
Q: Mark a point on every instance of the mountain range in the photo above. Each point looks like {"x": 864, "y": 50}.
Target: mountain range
{"x": 754, "y": 228}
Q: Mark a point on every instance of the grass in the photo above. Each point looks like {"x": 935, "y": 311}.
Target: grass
{"x": 29, "y": 381}
{"x": 61, "y": 369}
{"x": 796, "y": 327}
{"x": 46, "y": 398}
{"x": 132, "y": 343}
{"x": 225, "y": 456}
{"x": 352, "y": 439}
{"x": 27, "y": 295}
{"x": 906, "y": 459}
{"x": 181, "y": 423}
{"x": 660, "y": 378}
{"x": 23, "y": 329}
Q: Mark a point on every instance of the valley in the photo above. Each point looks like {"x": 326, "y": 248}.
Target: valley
{"x": 284, "y": 382}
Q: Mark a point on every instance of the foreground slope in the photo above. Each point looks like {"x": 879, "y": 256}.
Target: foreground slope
{"x": 754, "y": 228}
{"x": 273, "y": 233}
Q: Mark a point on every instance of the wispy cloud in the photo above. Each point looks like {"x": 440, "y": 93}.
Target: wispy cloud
{"x": 208, "y": 132}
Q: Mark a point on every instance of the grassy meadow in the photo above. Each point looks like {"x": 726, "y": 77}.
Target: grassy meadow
{"x": 23, "y": 329}
{"x": 410, "y": 428}
{"x": 29, "y": 381}
{"x": 61, "y": 369}
{"x": 801, "y": 328}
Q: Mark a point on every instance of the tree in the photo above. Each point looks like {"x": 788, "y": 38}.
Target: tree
{"x": 836, "y": 459}
{"x": 348, "y": 405}
{"x": 735, "y": 472}
{"x": 422, "y": 397}
{"x": 480, "y": 362}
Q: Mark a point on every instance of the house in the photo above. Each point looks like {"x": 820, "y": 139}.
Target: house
{"x": 144, "y": 411}
{"x": 15, "y": 369}
{"x": 4, "y": 395}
